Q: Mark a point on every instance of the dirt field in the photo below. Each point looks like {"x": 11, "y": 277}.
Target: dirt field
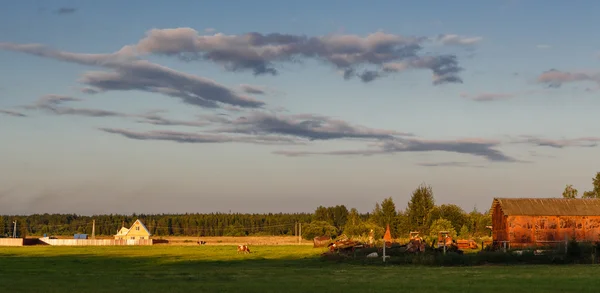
{"x": 249, "y": 240}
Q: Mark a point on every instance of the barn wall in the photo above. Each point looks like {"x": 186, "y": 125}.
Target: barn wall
{"x": 541, "y": 230}
{"x": 499, "y": 225}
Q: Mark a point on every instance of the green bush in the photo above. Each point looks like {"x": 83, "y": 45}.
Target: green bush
{"x": 318, "y": 228}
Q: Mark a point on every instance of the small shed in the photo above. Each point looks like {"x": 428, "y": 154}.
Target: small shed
{"x": 523, "y": 222}
{"x": 321, "y": 241}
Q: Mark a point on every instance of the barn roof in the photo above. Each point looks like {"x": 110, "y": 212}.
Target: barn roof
{"x": 548, "y": 206}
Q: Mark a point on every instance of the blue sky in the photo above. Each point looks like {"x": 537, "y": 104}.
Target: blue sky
{"x": 101, "y": 112}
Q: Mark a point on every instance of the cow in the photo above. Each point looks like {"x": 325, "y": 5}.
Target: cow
{"x": 243, "y": 249}
{"x": 201, "y": 242}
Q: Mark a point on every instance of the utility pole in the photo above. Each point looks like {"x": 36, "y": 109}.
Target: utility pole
{"x": 15, "y": 229}
{"x": 93, "y": 229}
{"x": 296, "y": 229}
{"x": 299, "y": 233}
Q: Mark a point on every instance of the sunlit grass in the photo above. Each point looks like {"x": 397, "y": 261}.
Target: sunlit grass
{"x": 292, "y": 268}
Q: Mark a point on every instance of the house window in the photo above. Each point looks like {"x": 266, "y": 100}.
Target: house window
{"x": 132, "y": 237}
{"x": 137, "y": 228}
{"x": 141, "y": 237}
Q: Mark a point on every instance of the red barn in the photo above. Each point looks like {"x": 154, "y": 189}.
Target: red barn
{"x": 523, "y": 222}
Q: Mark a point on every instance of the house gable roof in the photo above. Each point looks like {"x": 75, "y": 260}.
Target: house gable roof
{"x": 548, "y": 206}
{"x": 142, "y": 225}
{"x": 122, "y": 231}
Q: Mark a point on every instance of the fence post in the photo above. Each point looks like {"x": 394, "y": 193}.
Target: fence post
{"x": 383, "y": 250}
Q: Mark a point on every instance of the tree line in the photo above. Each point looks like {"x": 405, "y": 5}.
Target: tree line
{"x": 572, "y": 192}
{"x": 421, "y": 214}
{"x": 214, "y": 224}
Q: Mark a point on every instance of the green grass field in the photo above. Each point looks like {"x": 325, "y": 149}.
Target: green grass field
{"x": 267, "y": 269}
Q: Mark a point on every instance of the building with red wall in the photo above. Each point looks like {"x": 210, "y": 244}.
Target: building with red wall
{"x": 525, "y": 222}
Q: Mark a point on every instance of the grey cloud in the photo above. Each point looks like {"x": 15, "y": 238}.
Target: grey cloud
{"x": 66, "y": 10}
{"x": 488, "y": 97}
{"x": 556, "y": 78}
{"x": 312, "y": 127}
{"x": 369, "y": 75}
{"x": 445, "y": 68}
{"x": 132, "y": 74}
{"x": 252, "y": 89}
{"x": 456, "y": 40}
{"x": 187, "y": 137}
{"x": 450, "y": 164}
{"x": 12, "y": 113}
{"x": 558, "y": 143}
{"x": 83, "y": 59}
{"x": 154, "y": 118}
{"x": 52, "y": 103}
{"x": 150, "y": 77}
{"x": 260, "y": 53}
{"x": 480, "y": 148}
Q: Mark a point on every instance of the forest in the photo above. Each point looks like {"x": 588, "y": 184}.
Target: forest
{"x": 420, "y": 214}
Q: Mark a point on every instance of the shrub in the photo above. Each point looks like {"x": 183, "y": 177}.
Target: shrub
{"x": 318, "y": 228}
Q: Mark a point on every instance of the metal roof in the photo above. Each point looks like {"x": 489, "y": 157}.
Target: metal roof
{"x": 548, "y": 206}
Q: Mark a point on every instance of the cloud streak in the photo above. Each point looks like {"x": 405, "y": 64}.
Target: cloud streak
{"x": 129, "y": 73}
{"x": 201, "y": 138}
{"x": 12, "y": 113}
{"x": 558, "y": 143}
{"x": 450, "y": 164}
{"x": 66, "y": 10}
{"x": 556, "y": 78}
{"x": 476, "y": 147}
{"x": 53, "y": 104}
{"x": 488, "y": 97}
{"x": 308, "y": 126}
{"x": 456, "y": 40}
{"x": 262, "y": 53}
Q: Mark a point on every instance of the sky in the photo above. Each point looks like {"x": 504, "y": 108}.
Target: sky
{"x": 270, "y": 106}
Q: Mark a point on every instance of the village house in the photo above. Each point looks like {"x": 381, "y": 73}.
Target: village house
{"x": 137, "y": 231}
{"x": 524, "y": 222}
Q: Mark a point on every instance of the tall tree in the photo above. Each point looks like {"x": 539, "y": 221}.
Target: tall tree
{"x": 353, "y": 217}
{"x": 403, "y": 225}
{"x": 389, "y": 215}
{"x": 340, "y": 216}
{"x": 376, "y": 215}
{"x": 321, "y": 214}
{"x": 388, "y": 209}
{"x": 419, "y": 206}
{"x": 595, "y": 192}
{"x": 451, "y": 212}
{"x": 570, "y": 192}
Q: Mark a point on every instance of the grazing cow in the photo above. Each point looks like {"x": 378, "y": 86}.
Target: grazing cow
{"x": 243, "y": 249}
{"x": 201, "y": 242}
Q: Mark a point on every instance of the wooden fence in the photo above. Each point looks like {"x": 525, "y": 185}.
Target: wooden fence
{"x": 11, "y": 241}
{"x": 95, "y": 242}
